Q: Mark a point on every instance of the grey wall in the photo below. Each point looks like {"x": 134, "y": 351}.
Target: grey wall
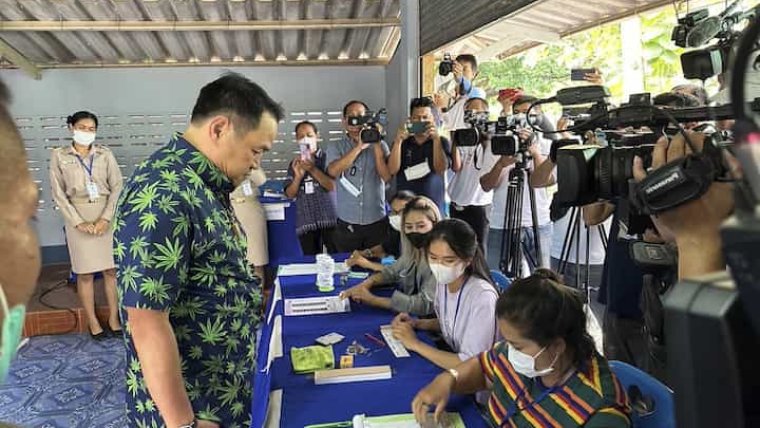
{"x": 140, "y": 108}
{"x": 447, "y": 20}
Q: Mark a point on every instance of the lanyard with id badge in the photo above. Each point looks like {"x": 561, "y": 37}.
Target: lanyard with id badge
{"x": 247, "y": 188}
{"x": 92, "y": 188}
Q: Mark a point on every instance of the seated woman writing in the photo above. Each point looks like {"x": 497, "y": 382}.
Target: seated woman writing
{"x": 416, "y": 283}
{"x": 465, "y": 303}
{"x": 546, "y": 372}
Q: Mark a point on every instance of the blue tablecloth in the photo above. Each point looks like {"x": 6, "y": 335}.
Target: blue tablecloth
{"x": 304, "y": 403}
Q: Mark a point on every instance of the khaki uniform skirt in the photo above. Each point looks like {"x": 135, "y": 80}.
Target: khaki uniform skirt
{"x": 90, "y": 253}
{"x": 250, "y": 213}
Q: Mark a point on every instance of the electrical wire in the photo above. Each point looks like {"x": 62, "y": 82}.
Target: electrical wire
{"x": 57, "y": 286}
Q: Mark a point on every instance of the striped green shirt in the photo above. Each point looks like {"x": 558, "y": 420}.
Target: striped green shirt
{"x": 592, "y": 397}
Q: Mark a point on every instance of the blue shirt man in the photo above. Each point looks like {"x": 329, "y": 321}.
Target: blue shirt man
{"x": 360, "y": 172}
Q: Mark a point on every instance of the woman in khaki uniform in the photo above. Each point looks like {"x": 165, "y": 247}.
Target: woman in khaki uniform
{"x": 250, "y": 213}
{"x": 86, "y": 182}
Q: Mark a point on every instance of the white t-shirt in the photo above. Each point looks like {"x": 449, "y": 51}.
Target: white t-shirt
{"x": 596, "y": 249}
{"x": 471, "y": 329}
{"x": 464, "y": 187}
{"x": 453, "y": 119}
{"x": 543, "y": 198}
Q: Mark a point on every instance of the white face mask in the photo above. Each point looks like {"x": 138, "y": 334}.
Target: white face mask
{"x": 310, "y": 142}
{"x": 84, "y": 138}
{"x": 395, "y": 221}
{"x": 446, "y": 274}
{"x": 526, "y": 364}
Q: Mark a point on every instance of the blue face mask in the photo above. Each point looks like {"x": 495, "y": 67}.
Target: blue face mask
{"x": 13, "y": 324}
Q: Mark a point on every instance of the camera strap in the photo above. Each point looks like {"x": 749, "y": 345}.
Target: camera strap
{"x": 674, "y": 184}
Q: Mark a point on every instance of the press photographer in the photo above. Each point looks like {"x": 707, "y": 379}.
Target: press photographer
{"x": 358, "y": 164}
{"x": 521, "y": 231}
{"x": 472, "y": 157}
{"x": 452, "y": 105}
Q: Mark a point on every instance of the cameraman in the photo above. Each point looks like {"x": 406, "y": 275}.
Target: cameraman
{"x": 498, "y": 178}
{"x": 469, "y": 201}
{"x": 465, "y": 71}
{"x": 361, "y": 172}
{"x": 422, "y": 157}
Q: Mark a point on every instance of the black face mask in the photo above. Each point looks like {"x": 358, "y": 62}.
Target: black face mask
{"x": 417, "y": 239}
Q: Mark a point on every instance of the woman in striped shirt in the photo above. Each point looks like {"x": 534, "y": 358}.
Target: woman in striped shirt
{"x": 545, "y": 373}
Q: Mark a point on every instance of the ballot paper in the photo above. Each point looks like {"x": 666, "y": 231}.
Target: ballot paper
{"x": 275, "y": 343}
{"x": 274, "y": 410}
{"x": 275, "y": 212}
{"x": 316, "y": 306}
{"x": 448, "y": 420}
{"x": 276, "y": 297}
{"x": 296, "y": 269}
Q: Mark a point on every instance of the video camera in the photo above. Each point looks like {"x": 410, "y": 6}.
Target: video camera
{"x": 502, "y": 132}
{"x": 446, "y": 66}
{"x": 373, "y": 125}
{"x": 698, "y": 28}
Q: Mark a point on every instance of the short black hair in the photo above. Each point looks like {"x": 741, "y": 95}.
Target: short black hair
{"x": 544, "y": 309}
{"x": 237, "y": 96}
{"x": 403, "y": 195}
{"x": 81, "y": 115}
{"x": 676, "y": 100}
{"x": 420, "y": 103}
{"x": 306, "y": 122}
{"x": 470, "y": 59}
{"x": 471, "y": 100}
{"x": 352, "y": 102}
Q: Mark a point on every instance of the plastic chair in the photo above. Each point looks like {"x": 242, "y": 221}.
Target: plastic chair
{"x": 651, "y": 400}
{"x": 500, "y": 279}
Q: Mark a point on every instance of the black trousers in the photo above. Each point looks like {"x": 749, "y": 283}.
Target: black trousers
{"x": 312, "y": 242}
{"x": 350, "y": 237}
{"x": 478, "y": 217}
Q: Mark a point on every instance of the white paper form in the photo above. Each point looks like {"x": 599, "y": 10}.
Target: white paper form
{"x": 316, "y": 306}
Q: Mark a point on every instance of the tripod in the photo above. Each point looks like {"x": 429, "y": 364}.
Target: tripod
{"x": 513, "y": 249}
{"x": 574, "y": 233}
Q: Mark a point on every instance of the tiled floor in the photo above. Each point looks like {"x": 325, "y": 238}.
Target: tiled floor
{"x": 67, "y": 381}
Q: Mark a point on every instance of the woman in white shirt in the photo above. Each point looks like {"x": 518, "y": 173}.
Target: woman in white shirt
{"x": 465, "y": 302}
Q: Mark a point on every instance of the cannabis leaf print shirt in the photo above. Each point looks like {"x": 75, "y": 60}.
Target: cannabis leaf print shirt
{"x": 179, "y": 249}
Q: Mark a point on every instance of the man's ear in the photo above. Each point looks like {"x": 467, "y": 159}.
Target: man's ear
{"x": 219, "y": 126}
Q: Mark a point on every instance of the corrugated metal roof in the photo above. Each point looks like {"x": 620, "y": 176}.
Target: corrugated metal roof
{"x": 546, "y": 21}
{"x": 69, "y": 33}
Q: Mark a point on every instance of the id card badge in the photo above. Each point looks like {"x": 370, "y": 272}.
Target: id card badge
{"x": 308, "y": 187}
{"x": 247, "y": 188}
{"x": 349, "y": 186}
{"x": 92, "y": 191}
{"x": 418, "y": 171}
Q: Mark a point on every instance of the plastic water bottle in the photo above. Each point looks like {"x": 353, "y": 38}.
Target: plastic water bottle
{"x": 325, "y": 272}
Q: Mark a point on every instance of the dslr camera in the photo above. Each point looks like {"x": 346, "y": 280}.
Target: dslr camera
{"x": 503, "y": 132}
{"x": 372, "y": 125}
{"x": 446, "y": 66}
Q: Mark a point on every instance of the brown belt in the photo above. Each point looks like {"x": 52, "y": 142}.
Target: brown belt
{"x": 87, "y": 200}
{"x": 242, "y": 200}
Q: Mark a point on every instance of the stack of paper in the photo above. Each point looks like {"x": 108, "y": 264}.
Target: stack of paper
{"x": 354, "y": 374}
{"x": 448, "y": 420}
{"x": 316, "y": 306}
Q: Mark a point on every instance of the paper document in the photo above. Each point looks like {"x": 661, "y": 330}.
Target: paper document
{"x": 296, "y": 269}
{"x": 276, "y": 297}
{"x": 275, "y": 212}
{"x": 448, "y": 420}
{"x": 271, "y": 194}
{"x": 275, "y": 343}
{"x": 316, "y": 306}
{"x": 354, "y": 374}
{"x": 274, "y": 410}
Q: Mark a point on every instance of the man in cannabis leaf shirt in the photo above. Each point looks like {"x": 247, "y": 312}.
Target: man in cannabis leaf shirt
{"x": 188, "y": 299}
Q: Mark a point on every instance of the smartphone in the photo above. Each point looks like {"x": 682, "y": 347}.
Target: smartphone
{"x": 305, "y": 152}
{"x": 579, "y": 74}
{"x": 416, "y": 127}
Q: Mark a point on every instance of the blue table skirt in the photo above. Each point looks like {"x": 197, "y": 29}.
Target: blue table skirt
{"x": 304, "y": 403}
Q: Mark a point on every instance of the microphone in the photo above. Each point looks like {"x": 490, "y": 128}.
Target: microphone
{"x": 704, "y": 32}
{"x": 708, "y": 28}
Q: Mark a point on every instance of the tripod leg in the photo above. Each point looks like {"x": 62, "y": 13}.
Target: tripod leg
{"x": 534, "y": 217}
{"x": 567, "y": 244}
